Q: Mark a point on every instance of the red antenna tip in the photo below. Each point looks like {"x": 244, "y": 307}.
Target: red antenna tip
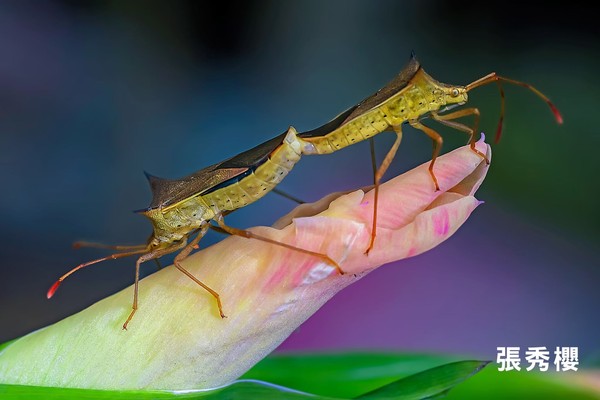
{"x": 53, "y": 288}
{"x": 557, "y": 114}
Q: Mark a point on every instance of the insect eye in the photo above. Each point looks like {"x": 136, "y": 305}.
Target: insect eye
{"x": 454, "y": 92}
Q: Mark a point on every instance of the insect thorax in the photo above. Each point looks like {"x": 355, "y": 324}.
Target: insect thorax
{"x": 422, "y": 95}
{"x": 178, "y": 221}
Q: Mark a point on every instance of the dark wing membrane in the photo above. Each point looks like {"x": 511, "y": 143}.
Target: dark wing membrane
{"x": 328, "y": 127}
{"x": 166, "y": 192}
{"x": 389, "y": 90}
{"x": 234, "y": 179}
{"x": 254, "y": 156}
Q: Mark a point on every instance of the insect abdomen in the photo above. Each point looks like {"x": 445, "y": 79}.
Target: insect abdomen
{"x": 357, "y": 130}
{"x": 418, "y": 97}
{"x": 261, "y": 180}
{"x": 397, "y": 110}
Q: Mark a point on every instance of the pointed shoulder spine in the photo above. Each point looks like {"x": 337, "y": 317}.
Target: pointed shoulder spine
{"x": 155, "y": 181}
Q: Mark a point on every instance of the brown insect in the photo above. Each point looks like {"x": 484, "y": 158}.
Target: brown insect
{"x": 412, "y": 95}
{"x": 184, "y": 207}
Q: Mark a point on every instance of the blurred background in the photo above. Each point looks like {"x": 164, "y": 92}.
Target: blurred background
{"x": 95, "y": 92}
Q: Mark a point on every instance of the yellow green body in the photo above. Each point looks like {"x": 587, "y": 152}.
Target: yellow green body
{"x": 421, "y": 95}
{"x": 175, "y": 222}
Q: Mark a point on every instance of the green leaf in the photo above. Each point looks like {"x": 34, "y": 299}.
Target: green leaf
{"x": 427, "y": 384}
{"x": 377, "y": 368}
{"x": 237, "y": 390}
{"x": 345, "y": 375}
{"x": 490, "y": 384}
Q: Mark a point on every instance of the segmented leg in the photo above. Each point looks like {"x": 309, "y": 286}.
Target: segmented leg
{"x": 287, "y": 196}
{"x": 145, "y": 257}
{"x": 376, "y": 194}
{"x": 446, "y": 120}
{"x": 183, "y": 255}
{"x": 437, "y": 145}
{"x": 247, "y": 234}
{"x": 378, "y": 175}
{"x": 81, "y": 243}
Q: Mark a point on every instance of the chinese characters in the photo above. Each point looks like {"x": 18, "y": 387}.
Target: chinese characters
{"x": 565, "y": 359}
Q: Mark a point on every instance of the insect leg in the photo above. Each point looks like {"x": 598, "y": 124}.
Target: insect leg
{"x": 81, "y": 243}
{"x": 186, "y": 252}
{"x": 373, "y": 158}
{"x": 250, "y": 235}
{"x": 145, "y": 257}
{"x": 287, "y": 196}
{"x": 376, "y": 194}
{"x": 378, "y": 175}
{"x": 445, "y": 120}
{"x": 437, "y": 144}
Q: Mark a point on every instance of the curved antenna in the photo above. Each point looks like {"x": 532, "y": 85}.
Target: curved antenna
{"x": 493, "y": 77}
{"x": 56, "y": 284}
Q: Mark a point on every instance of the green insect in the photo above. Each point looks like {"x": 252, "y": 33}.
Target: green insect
{"x": 412, "y": 95}
{"x": 182, "y": 208}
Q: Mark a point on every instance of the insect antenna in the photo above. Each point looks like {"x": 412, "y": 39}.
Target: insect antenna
{"x": 56, "y": 284}
{"x": 493, "y": 77}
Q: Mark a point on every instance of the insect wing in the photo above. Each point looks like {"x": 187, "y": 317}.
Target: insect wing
{"x": 329, "y": 127}
{"x": 167, "y": 192}
{"x": 391, "y": 89}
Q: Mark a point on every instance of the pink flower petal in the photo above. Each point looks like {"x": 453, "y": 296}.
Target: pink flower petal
{"x": 177, "y": 339}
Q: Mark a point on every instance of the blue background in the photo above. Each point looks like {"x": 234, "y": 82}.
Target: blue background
{"x": 93, "y": 93}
